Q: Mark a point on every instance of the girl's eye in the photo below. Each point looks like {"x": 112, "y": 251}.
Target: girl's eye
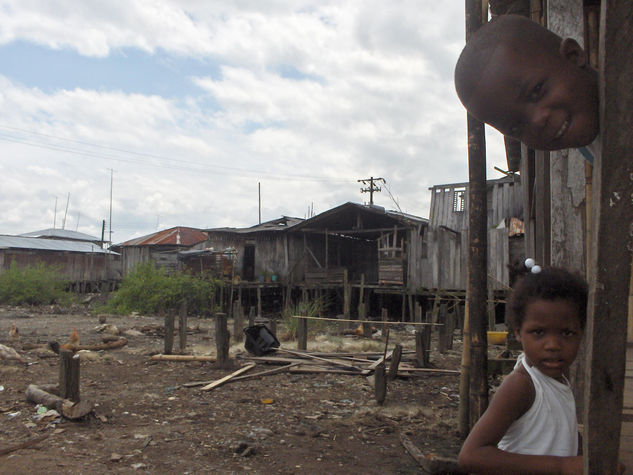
{"x": 569, "y": 332}
{"x": 537, "y": 332}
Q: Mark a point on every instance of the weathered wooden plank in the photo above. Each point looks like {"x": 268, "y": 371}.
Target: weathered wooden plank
{"x": 610, "y": 261}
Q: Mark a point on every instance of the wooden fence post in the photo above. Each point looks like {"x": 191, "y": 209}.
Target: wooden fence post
{"x": 182, "y": 325}
{"x": 169, "y": 332}
{"x": 302, "y": 332}
{"x": 221, "y": 340}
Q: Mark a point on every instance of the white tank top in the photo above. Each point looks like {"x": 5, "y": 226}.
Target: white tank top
{"x": 549, "y": 427}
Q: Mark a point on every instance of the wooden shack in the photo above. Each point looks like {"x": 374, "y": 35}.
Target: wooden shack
{"x": 161, "y": 247}
{"x": 261, "y": 251}
{"x": 363, "y": 242}
{"x": 85, "y": 265}
{"x": 444, "y": 265}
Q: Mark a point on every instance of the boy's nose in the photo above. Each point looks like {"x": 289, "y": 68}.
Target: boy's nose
{"x": 539, "y": 116}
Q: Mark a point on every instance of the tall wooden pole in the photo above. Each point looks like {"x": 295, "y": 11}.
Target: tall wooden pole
{"x": 477, "y": 263}
{"x": 610, "y": 264}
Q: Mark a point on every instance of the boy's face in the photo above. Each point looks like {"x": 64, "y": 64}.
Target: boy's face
{"x": 547, "y": 100}
{"x": 550, "y": 335}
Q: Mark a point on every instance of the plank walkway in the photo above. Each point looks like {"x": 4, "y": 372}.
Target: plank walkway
{"x": 626, "y": 438}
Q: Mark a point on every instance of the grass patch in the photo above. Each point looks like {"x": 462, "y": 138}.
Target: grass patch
{"x": 149, "y": 289}
{"x": 33, "y": 285}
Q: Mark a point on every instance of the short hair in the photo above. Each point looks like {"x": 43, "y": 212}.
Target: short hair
{"x": 512, "y": 31}
{"x": 552, "y": 283}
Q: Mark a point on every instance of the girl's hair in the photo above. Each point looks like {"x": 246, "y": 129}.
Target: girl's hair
{"x": 551, "y": 283}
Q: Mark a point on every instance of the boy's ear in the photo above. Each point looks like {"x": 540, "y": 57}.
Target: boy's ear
{"x": 517, "y": 335}
{"x": 572, "y": 51}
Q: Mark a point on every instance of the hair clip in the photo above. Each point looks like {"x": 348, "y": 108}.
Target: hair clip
{"x": 533, "y": 267}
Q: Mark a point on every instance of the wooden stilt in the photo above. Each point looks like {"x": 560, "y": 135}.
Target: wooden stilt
{"x": 385, "y": 317}
{"x": 259, "y": 302}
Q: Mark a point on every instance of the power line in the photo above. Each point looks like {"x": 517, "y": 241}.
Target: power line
{"x": 148, "y": 159}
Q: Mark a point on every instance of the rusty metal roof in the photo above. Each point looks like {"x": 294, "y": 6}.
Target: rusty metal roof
{"x": 177, "y": 236}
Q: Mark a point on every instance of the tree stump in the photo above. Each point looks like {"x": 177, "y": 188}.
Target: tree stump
{"x": 69, "y": 375}
{"x": 380, "y": 383}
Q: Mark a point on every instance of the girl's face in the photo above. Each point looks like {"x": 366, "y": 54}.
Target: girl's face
{"x": 550, "y": 336}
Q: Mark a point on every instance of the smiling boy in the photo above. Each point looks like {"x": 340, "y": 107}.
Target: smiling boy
{"x": 530, "y": 84}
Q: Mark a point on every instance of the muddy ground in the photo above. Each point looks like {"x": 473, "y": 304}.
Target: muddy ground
{"x": 145, "y": 421}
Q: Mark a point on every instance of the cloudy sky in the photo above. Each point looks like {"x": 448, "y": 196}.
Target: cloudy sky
{"x": 188, "y": 105}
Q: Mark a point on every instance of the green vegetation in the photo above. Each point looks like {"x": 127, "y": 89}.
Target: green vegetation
{"x": 34, "y": 285}
{"x": 149, "y": 289}
{"x": 312, "y": 308}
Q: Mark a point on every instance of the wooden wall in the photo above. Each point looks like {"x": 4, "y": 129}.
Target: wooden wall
{"x": 505, "y": 200}
{"x": 73, "y": 266}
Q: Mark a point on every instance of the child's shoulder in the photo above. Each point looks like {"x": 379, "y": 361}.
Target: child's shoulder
{"x": 517, "y": 389}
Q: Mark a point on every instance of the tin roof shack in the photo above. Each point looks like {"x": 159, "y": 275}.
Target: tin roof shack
{"x": 161, "y": 247}
{"x": 84, "y": 264}
{"x": 64, "y": 234}
{"x": 361, "y": 241}
{"x": 447, "y": 239}
{"x": 262, "y": 251}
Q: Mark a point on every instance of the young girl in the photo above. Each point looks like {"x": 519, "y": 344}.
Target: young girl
{"x": 530, "y": 425}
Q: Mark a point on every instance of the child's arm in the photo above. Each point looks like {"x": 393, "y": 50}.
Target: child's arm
{"x": 480, "y": 454}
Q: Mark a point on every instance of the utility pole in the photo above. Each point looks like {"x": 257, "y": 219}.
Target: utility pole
{"x": 371, "y": 188}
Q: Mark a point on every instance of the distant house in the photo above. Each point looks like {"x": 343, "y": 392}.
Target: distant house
{"x": 448, "y": 234}
{"x": 360, "y": 241}
{"x": 86, "y": 265}
{"x": 261, "y": 252}
{"x": 161, "y": 247}
{"x": 64, "y": 234}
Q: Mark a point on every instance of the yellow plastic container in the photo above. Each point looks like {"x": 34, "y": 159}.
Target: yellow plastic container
{"x": 497, "y": 338}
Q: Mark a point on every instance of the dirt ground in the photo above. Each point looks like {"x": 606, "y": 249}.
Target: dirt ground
{"x": 145, "y": 421}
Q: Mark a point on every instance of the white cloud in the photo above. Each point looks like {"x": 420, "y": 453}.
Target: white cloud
{"x": 310, "y": 97}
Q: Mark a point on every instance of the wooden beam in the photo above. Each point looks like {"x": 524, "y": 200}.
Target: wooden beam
{"x": 611, "y": 243}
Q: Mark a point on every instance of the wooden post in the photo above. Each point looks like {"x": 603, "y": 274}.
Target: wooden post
{"x": 477, "y": 264}
{"x": 385, "y": 318}
{"x": 450, "y": 330}
{"x": 380, "y": 383}
{"x": 221, "y": 340}
{"x": 272, "y": 325}
{"x": 68, "y": 375}
{"x": 238, "y": 321}
{"x": 347, "y": 296}
{"x": 395, "y": 362}
{"x": 259, "y": 302}
{"x": 302, "y": 332}
{"x": 610, "y": 250}
{"x": 182, "y": 325}
{"x": 169, "y": 332}
{"x": 251, "y": 316}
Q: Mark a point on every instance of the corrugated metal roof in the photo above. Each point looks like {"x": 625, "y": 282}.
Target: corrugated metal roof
{"x": 21, "y": 242}
{"x": 279, "y": 224}
{"x": 177, "y": 236}
{"x": 61, "y": 234}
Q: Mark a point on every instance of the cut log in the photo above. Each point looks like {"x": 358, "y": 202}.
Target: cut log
{"x": 248, "y": 376}
{"x": 67, "y": 408}
{"x": 111, "y": 345}
{"x": 223, "y": 380}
